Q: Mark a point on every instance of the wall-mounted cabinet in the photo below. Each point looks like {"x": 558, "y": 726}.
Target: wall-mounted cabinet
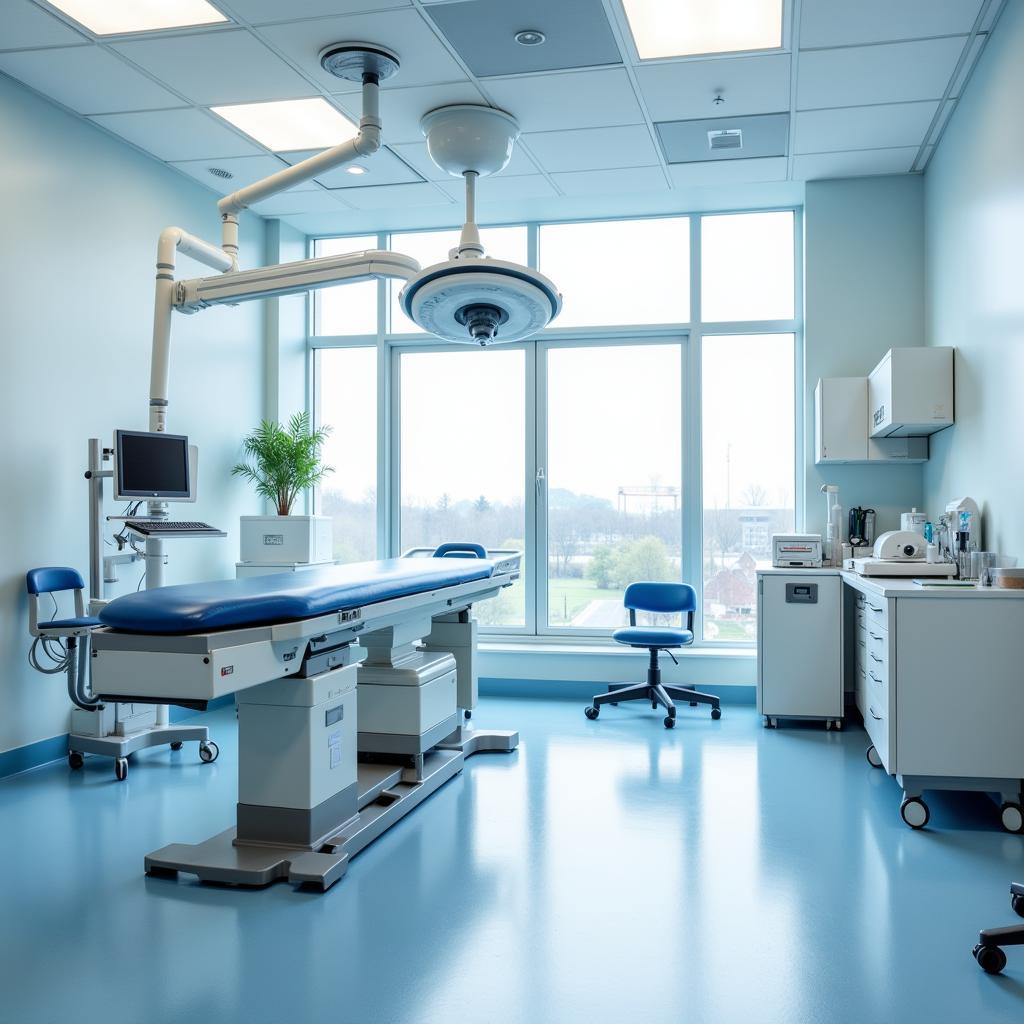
{"x": 841, "y": 427}
{"x": 910, "y": 392}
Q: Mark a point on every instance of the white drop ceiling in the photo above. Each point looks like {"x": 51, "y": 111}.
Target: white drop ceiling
{"x": 867, "y": 86}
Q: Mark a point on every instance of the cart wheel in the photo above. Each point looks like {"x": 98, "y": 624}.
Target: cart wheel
{"x": 75, "y": 760}
{"x": 121, "y": 768}
{"x": 716, "y": 713}
{"x": 914, "y": 811}
{"x": 177, "y": 745}
{"x": 767, "y": 722}
{"x": 208, "y": 751}
{"x": 991, "y": 959}
{"x": 838, "y": 725}
{"x": 1012, "y": 817}
{"x": 1017, "y": 903}
{"x": 670, "y": 722}
{"x": 872, "y": 755}
{"x": 467, "y": 714}
{"x": 591, "y": 712}
{"x": 828, "y": 724}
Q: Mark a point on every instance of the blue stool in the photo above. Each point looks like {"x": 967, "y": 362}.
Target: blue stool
{"x": 663, "y": 598}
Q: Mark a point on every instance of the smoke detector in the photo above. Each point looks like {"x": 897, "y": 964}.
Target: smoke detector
{"x": 725, "y": 138}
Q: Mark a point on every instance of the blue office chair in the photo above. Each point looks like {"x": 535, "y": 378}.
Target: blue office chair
{"x": 664, "y": 598}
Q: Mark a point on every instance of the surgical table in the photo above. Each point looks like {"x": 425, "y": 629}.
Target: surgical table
{"x": 353, "y": 684}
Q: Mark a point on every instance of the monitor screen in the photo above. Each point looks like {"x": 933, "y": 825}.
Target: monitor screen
{"x": 151, "y": 465}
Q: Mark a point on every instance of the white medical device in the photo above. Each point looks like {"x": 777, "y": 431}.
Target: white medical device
{"x": 900, "y": 553}
{"x": 470, "y": 298}
{"x": 796, "y": 550}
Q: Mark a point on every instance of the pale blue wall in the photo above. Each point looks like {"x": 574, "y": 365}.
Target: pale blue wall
{"x": 974, "y": 209}
{"x": 82, "y": 213}
{"x": 863, "y": 294}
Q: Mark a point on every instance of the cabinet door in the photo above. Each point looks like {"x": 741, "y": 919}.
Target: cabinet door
{"x": 801, "y": 646}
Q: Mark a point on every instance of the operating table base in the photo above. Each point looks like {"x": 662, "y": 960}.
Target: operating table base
{"x": 386, "y": 794}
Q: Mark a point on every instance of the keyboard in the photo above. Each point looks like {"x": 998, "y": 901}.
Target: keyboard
{"x": 172, "y": 528}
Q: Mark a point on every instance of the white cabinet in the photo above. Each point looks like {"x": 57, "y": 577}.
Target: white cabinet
{"x": 841, "y": 431}
{"x": 910, "y": 392}
{"x": 799, "y": 644}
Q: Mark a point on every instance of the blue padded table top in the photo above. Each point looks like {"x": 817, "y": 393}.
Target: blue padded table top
{"x": 284, "y": 597}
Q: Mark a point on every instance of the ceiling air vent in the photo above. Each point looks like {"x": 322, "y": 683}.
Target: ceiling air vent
{"x": 729, "y": 138}
{"x": 220, "y": 172}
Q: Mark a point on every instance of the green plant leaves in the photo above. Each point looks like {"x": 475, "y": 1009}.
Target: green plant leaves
{"x": 284, "y": 462}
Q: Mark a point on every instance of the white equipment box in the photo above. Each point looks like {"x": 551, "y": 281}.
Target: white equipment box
{"x": 910, "y": 392}
{"x": 286, "y": 539}
{"x": 796, "y": 550}
{"x": 799, "y": 645}
{"x": 408, "y": 699}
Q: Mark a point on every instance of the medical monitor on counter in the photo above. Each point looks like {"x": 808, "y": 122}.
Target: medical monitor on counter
{"x": 153, "y": 467}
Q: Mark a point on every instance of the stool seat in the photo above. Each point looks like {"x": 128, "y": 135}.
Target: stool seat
{"x": 661, "y": 637}
{"x": 77, "y": 622}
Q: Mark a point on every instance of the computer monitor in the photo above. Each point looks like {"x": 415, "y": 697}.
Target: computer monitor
{"x": 152, "y": 466}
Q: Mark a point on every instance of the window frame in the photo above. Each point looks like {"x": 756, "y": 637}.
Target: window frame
{"x": 688, "y": 334}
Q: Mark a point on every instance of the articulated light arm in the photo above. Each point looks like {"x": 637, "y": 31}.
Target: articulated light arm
{"x": 289, "y": 278}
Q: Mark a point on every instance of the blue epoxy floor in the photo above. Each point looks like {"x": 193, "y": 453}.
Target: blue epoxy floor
{"x": 767, "y": 873}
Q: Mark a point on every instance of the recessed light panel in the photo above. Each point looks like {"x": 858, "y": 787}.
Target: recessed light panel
{"x": 684, "y": 28}
{"x": 116, "y": 17}
{"x": 290, "y": 124}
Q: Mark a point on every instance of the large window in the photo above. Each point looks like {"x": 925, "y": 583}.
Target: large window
{"x": 614, "y": 432}
{"x": 648, "y": 433}
{"x": 462, "y": 456}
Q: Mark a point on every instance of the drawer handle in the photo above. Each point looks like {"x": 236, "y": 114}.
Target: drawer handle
{"x": 861, "y": 643}
{"x": 877, "y": 611}
{"x": 871, "y": 711}
{"x": 876, "y": 679}
{"x": 873, "y": 658}
{"x": 873, "y": 637}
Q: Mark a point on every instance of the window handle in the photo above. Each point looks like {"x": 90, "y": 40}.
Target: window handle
{"x": 540, "y": 479}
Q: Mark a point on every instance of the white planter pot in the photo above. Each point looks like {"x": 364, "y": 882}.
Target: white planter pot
{"x": 286, "y": 539}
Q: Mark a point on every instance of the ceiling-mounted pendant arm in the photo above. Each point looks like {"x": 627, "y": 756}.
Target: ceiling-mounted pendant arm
{"x": 470, "y": 245}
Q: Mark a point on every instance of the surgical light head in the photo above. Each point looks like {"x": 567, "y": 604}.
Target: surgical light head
{"x": 470, "y": 298}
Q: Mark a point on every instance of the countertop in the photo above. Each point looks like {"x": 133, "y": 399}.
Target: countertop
{"x": 901, "y": 586}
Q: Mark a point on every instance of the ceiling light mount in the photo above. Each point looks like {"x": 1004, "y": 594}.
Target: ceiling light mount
{"x": 352, "y": 61}
{"x": 469, "y": 137}
{"x": 719, "y": 98}
{"x": 530, "y": 37}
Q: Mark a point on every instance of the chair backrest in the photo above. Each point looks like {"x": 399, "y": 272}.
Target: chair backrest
{"x": 659, "y": 597}
{"x": 51, "y": 579}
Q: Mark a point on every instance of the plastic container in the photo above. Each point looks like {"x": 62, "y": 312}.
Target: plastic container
{"x": 1007, "y": 578}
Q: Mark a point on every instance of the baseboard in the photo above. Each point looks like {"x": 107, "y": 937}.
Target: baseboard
{"x": 34, "y": 755}
{"x": 576, "y": 689}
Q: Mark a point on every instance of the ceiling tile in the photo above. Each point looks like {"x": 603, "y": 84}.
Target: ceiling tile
{"x": 86, "y": 79}
{"x": 892, "y": 73}
{"x": 258, "y": 11}
{"x": 424, "y": 59}
{"x": 244, "y": 169}
{"x": 611, "y": 183}
{"x": 764, "y": 135}
{"x": 879, "y": 127}
{"x": 846, "y": 23}
{"x": 593, "y": 148}
{"x": 501, "y": 190}
{"x": 574, "y": 99}
{"x": 178, "y": 134}
{"x": 853, "y": 165}
{"x": 415, "y": 154}
{"x": 483, "y": 33}
{"x": 290, "y": 203}
{"x": 402, "y": 109}
{"x": 383, "y": 168}
{"x": 728, "y": 172}
{"x": 217, "y": 67}
{"x": 386, "y": 197}
{"x": 973, "y": 53}
{"x": 686, "y": 89}
{"x": 26, "y": 25}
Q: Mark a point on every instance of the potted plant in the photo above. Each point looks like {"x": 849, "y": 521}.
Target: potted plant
{"x": 283, "y": 462}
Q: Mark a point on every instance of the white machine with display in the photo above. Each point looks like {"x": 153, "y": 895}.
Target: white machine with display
{"x": 796, "y": 550}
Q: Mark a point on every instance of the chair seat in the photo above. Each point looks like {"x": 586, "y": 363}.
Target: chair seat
{"x": 661, "y": 637}
{"x": 78, "y": 622}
